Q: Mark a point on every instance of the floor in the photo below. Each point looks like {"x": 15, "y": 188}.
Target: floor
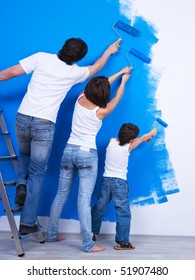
{"x": 147, "y": 248}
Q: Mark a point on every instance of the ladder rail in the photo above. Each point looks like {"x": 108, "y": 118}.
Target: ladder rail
{"x": 10, "y": 217}
{"x": 8, "y": 139}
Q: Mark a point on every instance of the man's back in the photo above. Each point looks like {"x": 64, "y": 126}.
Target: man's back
{"x": 49, "y": 84}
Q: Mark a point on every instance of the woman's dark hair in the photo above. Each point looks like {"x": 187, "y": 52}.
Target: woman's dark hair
{"x": 98, "y": 91}
{"x": 127, "y": 132}
{"x": 73, "y": 50}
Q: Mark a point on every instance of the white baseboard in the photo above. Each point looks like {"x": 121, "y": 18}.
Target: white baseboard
{"x": 69, "y": 226}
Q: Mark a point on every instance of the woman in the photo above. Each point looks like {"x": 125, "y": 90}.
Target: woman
{"x": 80, "y": 154}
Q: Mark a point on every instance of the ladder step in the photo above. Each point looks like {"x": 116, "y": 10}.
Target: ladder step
{"x": 5, "y": 134}
{"x": 8, "y": 158}
{"x": 10, "y": 183}
{"x": 16, "y": 209}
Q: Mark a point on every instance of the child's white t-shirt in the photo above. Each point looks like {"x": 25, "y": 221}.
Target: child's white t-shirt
{"x": 116, "y": 162}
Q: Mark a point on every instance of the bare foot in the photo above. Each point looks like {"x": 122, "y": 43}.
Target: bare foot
{"x": 61, "y": 238}
{"x": 98, "y": 248}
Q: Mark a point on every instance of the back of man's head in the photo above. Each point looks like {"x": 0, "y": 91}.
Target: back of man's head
{"x": 73, "y": 50}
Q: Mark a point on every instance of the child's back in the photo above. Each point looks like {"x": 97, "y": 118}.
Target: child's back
{"x": 116, "y": 161}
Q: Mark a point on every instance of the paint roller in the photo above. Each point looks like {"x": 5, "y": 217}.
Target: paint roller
{"x": 139, "y": 55}
{"x": 125, "y": 27}
{"x": 161, "y": 122}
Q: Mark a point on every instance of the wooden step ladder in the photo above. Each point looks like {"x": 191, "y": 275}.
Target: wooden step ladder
{"x": 12, "y": 158}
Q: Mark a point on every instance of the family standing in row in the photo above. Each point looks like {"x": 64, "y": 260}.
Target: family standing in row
{"x": 52, "y": 77}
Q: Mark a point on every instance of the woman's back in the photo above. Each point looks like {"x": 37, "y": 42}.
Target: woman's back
{"x": 85, "y": 124}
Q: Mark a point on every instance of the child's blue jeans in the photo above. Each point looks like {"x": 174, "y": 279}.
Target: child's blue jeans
{"x": 117, "y": 190}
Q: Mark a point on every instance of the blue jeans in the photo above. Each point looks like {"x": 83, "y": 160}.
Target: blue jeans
{"x": 85, "y": 162}
{"x": 34, "y": 138}
{"x": 117, "y": 190}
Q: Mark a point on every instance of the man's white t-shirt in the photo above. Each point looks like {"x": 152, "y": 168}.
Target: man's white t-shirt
{"x": 50, "y": 82}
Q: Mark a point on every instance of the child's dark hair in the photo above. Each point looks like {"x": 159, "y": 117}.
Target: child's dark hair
{"x": 98, "y": 91}
{"x": 127, "y": 132}
{"x": 73, "y": 50}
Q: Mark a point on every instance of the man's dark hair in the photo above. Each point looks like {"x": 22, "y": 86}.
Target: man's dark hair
{"x": 127, "y": 132}
{"x": 98, "y": 91}
{"x": 73, "y": 50}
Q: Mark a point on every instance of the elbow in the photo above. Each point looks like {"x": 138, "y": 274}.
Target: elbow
{"x": 94, "y": 69}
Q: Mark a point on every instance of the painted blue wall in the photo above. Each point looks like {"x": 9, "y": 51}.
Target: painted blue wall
{"x": 31, "y": 26}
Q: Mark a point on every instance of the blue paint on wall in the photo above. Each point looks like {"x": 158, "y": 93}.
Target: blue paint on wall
{"x": 44, "y": 26}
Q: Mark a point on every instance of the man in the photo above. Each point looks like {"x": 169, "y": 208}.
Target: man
{"x": 52, "y": 77}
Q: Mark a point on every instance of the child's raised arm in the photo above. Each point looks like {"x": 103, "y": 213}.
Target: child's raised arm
{"x": 145, "y": 138}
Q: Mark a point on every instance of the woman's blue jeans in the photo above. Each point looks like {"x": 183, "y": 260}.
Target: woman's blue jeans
{"x": 34, "y": 136}
{"x": 117, "y": 190}
{"x": 85, "y": 162}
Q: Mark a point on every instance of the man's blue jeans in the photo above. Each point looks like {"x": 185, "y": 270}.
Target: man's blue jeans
{"x": 117, "y": 190}
{"x": 85, "y": 162}
{"x": 35, "y": 138}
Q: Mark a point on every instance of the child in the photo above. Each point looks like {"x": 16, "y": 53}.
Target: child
{"x": 80, "y": 154}
{"x": 114, "y": 183}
